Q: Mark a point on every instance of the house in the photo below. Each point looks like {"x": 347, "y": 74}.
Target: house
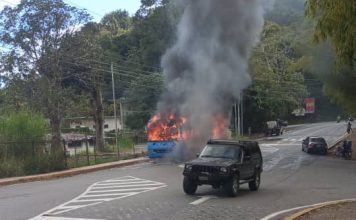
{"x": 87, "y": 122}
{"x": 78, "y": 143}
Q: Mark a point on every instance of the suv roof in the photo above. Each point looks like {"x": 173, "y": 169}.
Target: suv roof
{"x": 233, "y": 142}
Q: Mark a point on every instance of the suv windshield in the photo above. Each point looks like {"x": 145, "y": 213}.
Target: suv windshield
{"x": 221, "y": 151}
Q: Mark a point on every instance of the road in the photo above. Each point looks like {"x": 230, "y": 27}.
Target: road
{"x": 291, "y": 178}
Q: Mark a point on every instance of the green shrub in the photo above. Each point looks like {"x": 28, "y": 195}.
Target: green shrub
{"x": 125, "y": 142}
{"x": 11, "y": 167}
{"x": 19, "y": 131}
{"x": 44, "y": 164}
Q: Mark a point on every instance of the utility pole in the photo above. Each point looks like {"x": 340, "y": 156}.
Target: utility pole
{"x": 122, "y": 114}
{"x": 242, "y": 112}
{"x": 235, "y": 110}
{"x": 114, "y": 99}
{"x": 239, "y": 118}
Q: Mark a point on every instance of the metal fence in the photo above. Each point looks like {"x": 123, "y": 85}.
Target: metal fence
{"x": 35, "y": 156}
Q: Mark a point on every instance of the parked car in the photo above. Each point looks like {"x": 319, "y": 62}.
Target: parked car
{"x": 225, "y": 163}
{"x": 274, "y": 128}
{"x": 315, "y": 145}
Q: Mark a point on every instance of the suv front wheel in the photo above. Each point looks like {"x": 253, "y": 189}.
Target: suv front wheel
{"x": 255, "y": 183}
{"x": 189, "y": 187}
{"x": 232, "y": 186}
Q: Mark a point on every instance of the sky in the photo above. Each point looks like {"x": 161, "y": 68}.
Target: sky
{"x": 97, "y": 8}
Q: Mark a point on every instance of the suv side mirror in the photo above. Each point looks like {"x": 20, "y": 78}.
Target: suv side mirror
{"x": 197, "y": 155}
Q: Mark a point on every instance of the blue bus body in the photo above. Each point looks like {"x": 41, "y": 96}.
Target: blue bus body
{"x": 158, "y": 149}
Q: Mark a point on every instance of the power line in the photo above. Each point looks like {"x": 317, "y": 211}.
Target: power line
{"x": 93, "y": 12}
{"x": 144, "y": 72}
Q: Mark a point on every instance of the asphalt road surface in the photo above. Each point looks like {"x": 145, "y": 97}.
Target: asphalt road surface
{"x": 291, "y": 178}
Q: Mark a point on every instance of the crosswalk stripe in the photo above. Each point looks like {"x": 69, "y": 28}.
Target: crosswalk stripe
{"x": 122, "y": 183}
{"x": 132, "y": 185}
{"x": 121, "y": 190}
{"x": 105, "y": 195}
{"x": 105, "y": 191}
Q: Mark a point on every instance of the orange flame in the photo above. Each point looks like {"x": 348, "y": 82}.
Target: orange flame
{"x": 170, "y": 128}
{"x": 220, "y": 128}
{"x": 167, "y": 128}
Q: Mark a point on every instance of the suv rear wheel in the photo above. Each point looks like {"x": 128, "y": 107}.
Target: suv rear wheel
{"x": 232, "y": 186}
{"x": 255, "y": 183}
{"x": 189, "y": 187}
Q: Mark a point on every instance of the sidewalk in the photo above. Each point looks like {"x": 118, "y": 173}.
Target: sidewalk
{"x": 71, "y": 172}
{"x": 337, "y": 211}
{"x": 351, "y": 137}
{"x": 344, "y": 210}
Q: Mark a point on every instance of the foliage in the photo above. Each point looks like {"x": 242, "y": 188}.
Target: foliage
{"x": 339, "y": 80}
{"x": 277, "y": 87}
{"x": 143, "y": 95}
{"x": 22, "y": 145}
{"x": 33, "y": 32}
{"x": 335, "y": 20}
{"x": 22, "y": 126}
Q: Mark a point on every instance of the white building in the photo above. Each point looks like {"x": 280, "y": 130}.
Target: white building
{"x": 85, "y": 122}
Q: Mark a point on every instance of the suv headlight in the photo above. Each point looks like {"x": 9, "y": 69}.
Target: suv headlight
{"x": 188, "y": 167}
{"x": 223, "y": 169}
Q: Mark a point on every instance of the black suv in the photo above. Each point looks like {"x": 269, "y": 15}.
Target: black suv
{"x": 225, "y": 163}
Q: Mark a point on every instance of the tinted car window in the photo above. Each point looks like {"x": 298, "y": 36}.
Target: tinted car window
{"x": 221, "y": 151}
{"x": 320, "y": 140}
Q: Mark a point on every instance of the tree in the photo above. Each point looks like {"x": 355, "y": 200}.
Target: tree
{"x": 83, "y": 70}
{"x": 277, "y": 87}
{"x": 143, "y": 96}
{"x": 33, "y": 31}
{"x": 116, "y": 23}
{"x": 335, "y": 20}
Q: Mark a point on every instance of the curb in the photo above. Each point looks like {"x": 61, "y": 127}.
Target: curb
{"x": 339, "y": 140}
{"x": 71, "y": 172}
{"x": 308, "y": 210}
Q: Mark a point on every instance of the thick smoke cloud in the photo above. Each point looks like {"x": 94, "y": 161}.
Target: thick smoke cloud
{"x": 207, "y": 68}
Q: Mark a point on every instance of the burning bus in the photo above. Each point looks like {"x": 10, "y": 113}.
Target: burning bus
{"x": 168, "y": 135}
{"x": 165, "y": 132}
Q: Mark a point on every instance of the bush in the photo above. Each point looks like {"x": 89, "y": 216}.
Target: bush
{"x": 125, "y": 142}
{"x": 44, "y": 164}
{"x": 11, "y": 167}
{"x": 19, "y": 131}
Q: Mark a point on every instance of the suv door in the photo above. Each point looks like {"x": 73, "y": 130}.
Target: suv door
{"x": 247, "y": 168}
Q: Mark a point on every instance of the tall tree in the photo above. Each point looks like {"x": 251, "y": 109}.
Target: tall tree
{"x": 33, "y": 31}
{"x": 335, "y": 20}
{"x": 277, "y": 88}
{"x": 83, "y": 64}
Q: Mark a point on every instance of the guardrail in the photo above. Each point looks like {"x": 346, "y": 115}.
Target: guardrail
{"x": 338, "y": 141}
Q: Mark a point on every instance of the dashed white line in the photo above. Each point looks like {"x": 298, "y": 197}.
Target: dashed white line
{"x": 61, "y": 218}
{"x": 202, "y": 199}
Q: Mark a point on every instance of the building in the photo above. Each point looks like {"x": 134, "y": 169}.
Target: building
{"x": 86, "y": 122}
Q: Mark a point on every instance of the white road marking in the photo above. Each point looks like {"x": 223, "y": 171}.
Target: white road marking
{"x": 268, "y": 165}
{"x": 122, "y": 183}
{"x": 267, "y": 149}
{"x": 273, "y": 215}
{"x": 202, "y": 199}
{"x": 62, "y": 218}
{"x": 93, "y": 195}
{"x": 121, "y": 190}
{"x": 135, "y": 185}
